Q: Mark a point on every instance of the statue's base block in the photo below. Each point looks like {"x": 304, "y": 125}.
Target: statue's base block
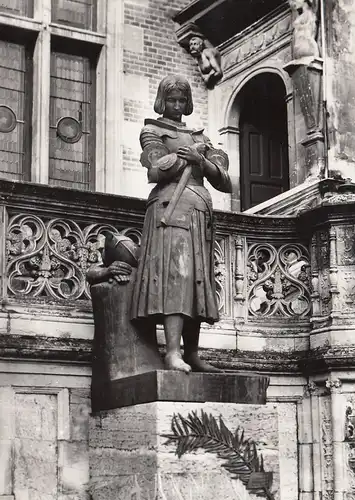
{"x": 131, "y": 458}
{"x": 166, "y": 385}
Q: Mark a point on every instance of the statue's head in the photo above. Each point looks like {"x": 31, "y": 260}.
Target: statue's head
{"x": 173, "y": 87}
{"x": 299, "y": 5}
{"x": 196, "y": 45}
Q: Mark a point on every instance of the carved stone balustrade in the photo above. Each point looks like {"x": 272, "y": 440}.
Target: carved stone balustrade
{"x": 281, "y": 280}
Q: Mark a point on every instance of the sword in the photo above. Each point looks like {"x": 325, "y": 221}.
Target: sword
{"x": 184, "y": 179}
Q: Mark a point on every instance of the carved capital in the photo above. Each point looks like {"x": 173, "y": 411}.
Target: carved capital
{"x": 334, "y": 384}
{"x": 310, "y": 389}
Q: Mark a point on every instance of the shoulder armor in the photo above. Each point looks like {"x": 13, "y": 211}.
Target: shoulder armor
{"x": 159, "y": 128}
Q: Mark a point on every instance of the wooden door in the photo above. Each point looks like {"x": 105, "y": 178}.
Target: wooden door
{"x": 264, "y": 156}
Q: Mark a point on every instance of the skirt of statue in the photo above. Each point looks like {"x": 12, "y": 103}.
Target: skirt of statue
{"x": 175, "y": 272}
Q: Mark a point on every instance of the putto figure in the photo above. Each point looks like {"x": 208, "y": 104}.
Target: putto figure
{"x": 208, "y": 60}
{"x": 175, "y": 283}
{"x": 305, "y": 29}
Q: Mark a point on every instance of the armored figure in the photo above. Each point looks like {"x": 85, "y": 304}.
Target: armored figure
{"x": 175, "y": 282}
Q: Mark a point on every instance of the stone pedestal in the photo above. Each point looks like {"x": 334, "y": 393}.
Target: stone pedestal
{"x": 132, "y": 457}
{"x": 205, "y": 436}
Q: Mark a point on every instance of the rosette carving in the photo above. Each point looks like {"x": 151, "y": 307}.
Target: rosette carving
{"x": 278, "y": 281}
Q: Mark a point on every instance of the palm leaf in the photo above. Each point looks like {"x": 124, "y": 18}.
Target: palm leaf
{"x": 240, "y": 456}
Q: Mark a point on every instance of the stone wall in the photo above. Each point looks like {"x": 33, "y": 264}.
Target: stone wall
{"x": 44, "y": 441}
{"x": 340, "y": 29}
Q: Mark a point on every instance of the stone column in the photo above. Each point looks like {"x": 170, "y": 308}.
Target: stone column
{"x": 41, "y": 82}
{"x": 338, "y": 406}
{"x": 307, "y": 82}
{"x": 305, "y": 436}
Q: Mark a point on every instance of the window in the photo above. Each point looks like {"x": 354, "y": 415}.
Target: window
{"x": 47, "y": 91}
{"x": 15, "y": 112}
{"x": 79, "y": 13}
{"x": 17, "y": 7}
{"x": 71, "y": 150}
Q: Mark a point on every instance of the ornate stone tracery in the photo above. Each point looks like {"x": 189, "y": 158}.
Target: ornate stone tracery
{"x": 278, "y": 281}
{"x": 49, "y": 258}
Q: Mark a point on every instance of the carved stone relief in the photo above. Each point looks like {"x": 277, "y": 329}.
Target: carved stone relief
{"x": 327, "y": 447}
{"x": 256, "y": 43}
{"x": 320, "y": 272}
{"x": 278, "y": 281}
{"x": 346, "y": 245}
{"x": 220, "y": 272}
{"x": 50, "y": 258}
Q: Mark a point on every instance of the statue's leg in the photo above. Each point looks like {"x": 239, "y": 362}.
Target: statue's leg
{"x": 173, "y": 326}
{"x": 191, "y": 335}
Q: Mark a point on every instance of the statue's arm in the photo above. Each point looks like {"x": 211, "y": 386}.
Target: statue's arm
{"x": 161, "y": 164}
{"x": 215, "y": 166}
{"x": 214, "y": 57}
{"x": 120, "y": 271}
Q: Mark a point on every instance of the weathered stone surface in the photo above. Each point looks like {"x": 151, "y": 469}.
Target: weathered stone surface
{"x": 119, "y": 348}
{"x": 167, "y": 385}
{"x": 146, "y": 466}
{"x": 73, "y": 467}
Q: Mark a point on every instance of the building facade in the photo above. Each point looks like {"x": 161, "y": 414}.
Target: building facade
{"x": 77, "y": 79}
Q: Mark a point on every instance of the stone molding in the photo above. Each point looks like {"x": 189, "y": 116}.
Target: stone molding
{"x": 257, "y": 42}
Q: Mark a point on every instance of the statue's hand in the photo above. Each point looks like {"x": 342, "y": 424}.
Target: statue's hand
{"x": 120, "y": 271}
{"x": 190, "y": 154}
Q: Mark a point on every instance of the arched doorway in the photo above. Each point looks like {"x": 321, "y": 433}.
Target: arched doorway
{"x": 264, "y": 169}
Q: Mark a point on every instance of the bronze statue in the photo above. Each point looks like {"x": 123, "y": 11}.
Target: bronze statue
{"x": 175, "y": 278}
{"x": 305, "y": 28}
{"x": 208, "y": 60}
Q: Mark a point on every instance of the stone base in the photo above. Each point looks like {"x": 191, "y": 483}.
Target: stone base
{"x": 167, "y": 385}
{"x": 132, "y": 458}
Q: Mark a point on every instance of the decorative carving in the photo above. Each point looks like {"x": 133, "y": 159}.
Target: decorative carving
{"x": 347, "y": 290}
{"x": 350, "y": 435}
{"x": 239, "y": 276}
{"x": 333, "y": 384}
{"x": 306, "y": 70}
{"x": 346, "y": 245}
{"x": 50, "y": 258}
{"x": 315, "y": 278}
{"x": 304, "y": 32}
{"x": 327, "y": 446}
{"x": 257, "y": 42}
{"x": 208, "y": 59}
{"x": 240, "y": 455}
{"x": 310, "y": 389}
{"x": 350, "y": 423}
{"x": 278, "y": 281}
{"x": 220, "y": 273}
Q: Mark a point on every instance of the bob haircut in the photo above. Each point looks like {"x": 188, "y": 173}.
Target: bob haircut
{"x": 167, "y": 85}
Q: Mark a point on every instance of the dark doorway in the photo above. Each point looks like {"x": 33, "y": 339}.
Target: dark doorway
{"x": 264, "y": 171}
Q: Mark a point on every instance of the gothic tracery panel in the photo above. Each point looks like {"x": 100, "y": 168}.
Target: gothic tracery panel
{"x": 278, "y": 281}
{"x": 50, "y": 258}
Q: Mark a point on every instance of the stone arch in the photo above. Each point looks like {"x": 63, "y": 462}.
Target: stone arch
{"x": 232, "y": 113}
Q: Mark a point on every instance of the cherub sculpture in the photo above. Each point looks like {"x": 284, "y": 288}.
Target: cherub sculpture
{"x": 208, "y": 60}
{"x": 305, "y": 27}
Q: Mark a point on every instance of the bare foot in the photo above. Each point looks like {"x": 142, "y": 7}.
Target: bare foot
{"x": 198, "y": 365}
{"x": 174, "y": 361}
